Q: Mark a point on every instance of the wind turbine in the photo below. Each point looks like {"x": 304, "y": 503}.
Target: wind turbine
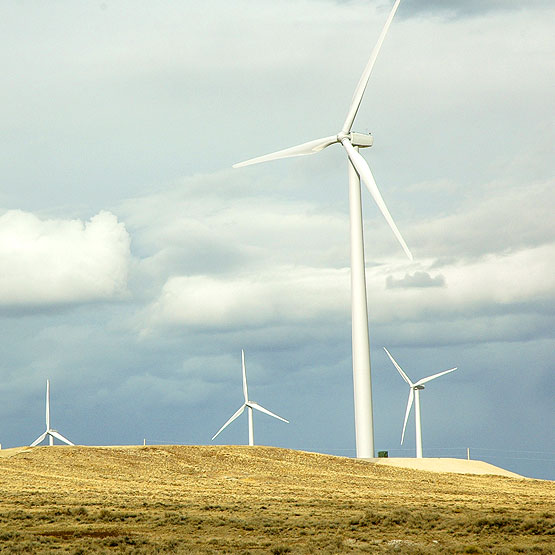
{"x": 49, "y": 431}
{"x": 249, "y": 405}
{"x": 414, "y": 395}
{"x": 358, "y": 169}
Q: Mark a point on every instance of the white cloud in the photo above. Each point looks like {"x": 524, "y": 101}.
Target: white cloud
{"x": 57, "y": 262}
{"x": 227, "y": 256}
{"x": 509, "y": 284}
{"x": 224, "y": 224}
{"x": 508, "y": 218}
{"x": 277, "y": 296}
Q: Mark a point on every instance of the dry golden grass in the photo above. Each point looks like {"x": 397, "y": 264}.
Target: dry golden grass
{"x": 199, "y": 499}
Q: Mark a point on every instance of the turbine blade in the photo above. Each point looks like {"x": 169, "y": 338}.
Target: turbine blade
{"x": 300, "y": 150}
{"x": 364, "y": 172}
{"x": 245, "y": 388}
{"x": 409, "y": 406}
{"x": 399, "y": 369}
{"x": 235, "y": 415}
{"x": 361, "y": 87}
{"x": 39, "y": 439}
{"x": 266, "y": 411}
{"x": 59, "y": 436}
{"x": 430, "y": 378}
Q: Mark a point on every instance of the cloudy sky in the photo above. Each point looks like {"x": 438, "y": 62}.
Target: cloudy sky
{"x": 135, "y": 263}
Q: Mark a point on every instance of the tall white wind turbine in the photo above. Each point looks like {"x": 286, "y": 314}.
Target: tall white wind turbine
{"x": 249, "y": 405}
{"x": 51, "y": 433}
{"x": 358, "y": 169}
{"x": 414, "y": 396}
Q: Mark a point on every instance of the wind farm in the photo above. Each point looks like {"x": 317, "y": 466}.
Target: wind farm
{"x": 140, "y": 254}
{"x": 143, "y": 278}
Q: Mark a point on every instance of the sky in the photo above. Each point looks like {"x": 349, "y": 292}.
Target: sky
{"x": 136, "y": 263}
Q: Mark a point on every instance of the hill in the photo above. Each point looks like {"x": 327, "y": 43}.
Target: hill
{"x": 215, "y": 499}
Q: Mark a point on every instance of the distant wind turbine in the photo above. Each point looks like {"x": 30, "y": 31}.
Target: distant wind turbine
{"x": 358, "y": 169}
{"x": 249, "y": 405}
{"x": 49, "y": 431}
{"x": 414, "y": 395}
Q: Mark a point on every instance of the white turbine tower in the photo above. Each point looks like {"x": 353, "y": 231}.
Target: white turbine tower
{"x": 249, "y": 405}
{"x": 414, "y": 396}
{"x": 49, "y": 431}
{"x": 358, "y": 169}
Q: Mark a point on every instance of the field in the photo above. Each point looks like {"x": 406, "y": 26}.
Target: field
{"x": 200, "y": 499}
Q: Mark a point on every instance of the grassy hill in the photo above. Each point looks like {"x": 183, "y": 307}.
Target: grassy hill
{"x": 201, "y": 499}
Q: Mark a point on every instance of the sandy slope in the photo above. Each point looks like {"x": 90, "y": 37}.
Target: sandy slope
{"x": 456, "y": 466}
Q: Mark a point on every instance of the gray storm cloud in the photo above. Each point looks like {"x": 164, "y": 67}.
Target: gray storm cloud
{"x": 465, "y": 8}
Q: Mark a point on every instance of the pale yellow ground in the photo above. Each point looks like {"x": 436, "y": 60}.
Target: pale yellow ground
{"x": 450, "y": 465}
{"x": 263, "y": 500}
{"x": 456, "y": 466}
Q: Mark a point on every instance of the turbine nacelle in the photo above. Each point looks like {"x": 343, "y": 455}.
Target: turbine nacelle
{"x": 362, "y": 140}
